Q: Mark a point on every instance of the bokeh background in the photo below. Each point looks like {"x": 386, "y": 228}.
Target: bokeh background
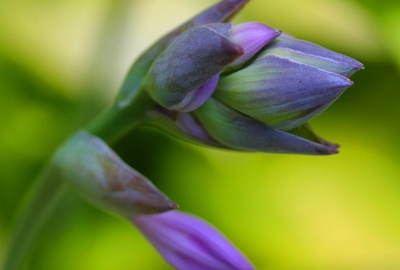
{"x": 62, "y": 62}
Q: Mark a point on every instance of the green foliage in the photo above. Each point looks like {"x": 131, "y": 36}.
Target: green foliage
{"x": 59, "y": 67}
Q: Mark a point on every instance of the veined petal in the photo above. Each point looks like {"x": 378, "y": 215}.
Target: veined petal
{"x": 189, "y": 243}
{"x": 282, "y": 93}
{"x": 239, "y": 131}
{"x": 312, "y": 54}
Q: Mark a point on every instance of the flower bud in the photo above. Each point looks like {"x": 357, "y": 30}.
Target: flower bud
{"x": 189, "y": 243}
{"x": 288, "y": 83}
{"x": 105, "y": 180}
{"x": 238, "y": 131}
{"x": 176, "y": 78}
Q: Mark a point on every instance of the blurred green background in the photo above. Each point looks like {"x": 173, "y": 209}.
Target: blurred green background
{"x": 62, "y": 62}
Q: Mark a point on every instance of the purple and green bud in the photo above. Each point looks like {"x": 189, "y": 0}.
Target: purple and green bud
{"x": 246, "y": 87}
{"x": 189, "y": 243}
{"x": 105, "y": 180}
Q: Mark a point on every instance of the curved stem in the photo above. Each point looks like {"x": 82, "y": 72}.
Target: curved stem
{"x": 110, "y": 125}
{"x": 37, "y": 208}
{"x": 118, "y": 120}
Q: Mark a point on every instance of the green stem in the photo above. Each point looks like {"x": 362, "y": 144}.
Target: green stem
{"x": 109, "y": 126}
{"x": 37, "y": 209}
{"x": 117, "y": 121}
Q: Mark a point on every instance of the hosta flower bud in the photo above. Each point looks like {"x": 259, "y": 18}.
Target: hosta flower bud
{"x": 189, "y": 243}
{"x": 289, "y": 82}
{"x": 186, "y": 74}
{"x": 105, "y": 180}
{"x": 239, "y": 131}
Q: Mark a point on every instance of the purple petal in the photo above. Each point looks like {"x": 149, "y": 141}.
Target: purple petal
{"x": 189, "y": 243}
{"x": 197, "y": 97}
{"x": 312, "y": 54}
{"x": 251, "y": 37}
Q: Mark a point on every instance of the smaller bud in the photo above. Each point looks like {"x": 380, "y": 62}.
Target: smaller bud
{"x": 189, "y": 243}
{"x": 105, "y": 180}
{"x": 251, "y": 37}
{"x": 238, "y": 131}
{"x": 185, "y": 75}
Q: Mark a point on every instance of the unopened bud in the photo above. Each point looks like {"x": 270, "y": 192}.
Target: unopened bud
{"x": 105, "y": 180}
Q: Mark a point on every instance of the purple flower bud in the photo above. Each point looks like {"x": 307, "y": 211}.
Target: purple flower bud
{"x": 184, "y": 75}
{"x": 252, "y": 37}
{"x": 105, "y": 180}
{"x": 239, "y": 131}
{"x": 189, "y": 243}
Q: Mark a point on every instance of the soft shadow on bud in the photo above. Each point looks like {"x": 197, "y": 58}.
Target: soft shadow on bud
{"x": 104, "y": 179}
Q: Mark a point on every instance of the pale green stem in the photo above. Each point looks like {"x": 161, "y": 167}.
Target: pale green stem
{"x": 109, "y": 126}
{"x": 37, "y": 208}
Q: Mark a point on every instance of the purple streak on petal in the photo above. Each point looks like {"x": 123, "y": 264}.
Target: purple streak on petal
{"x": 197, "y": 97}
{"x": 189, "y": 243}
{"x": 251, "y": 37}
